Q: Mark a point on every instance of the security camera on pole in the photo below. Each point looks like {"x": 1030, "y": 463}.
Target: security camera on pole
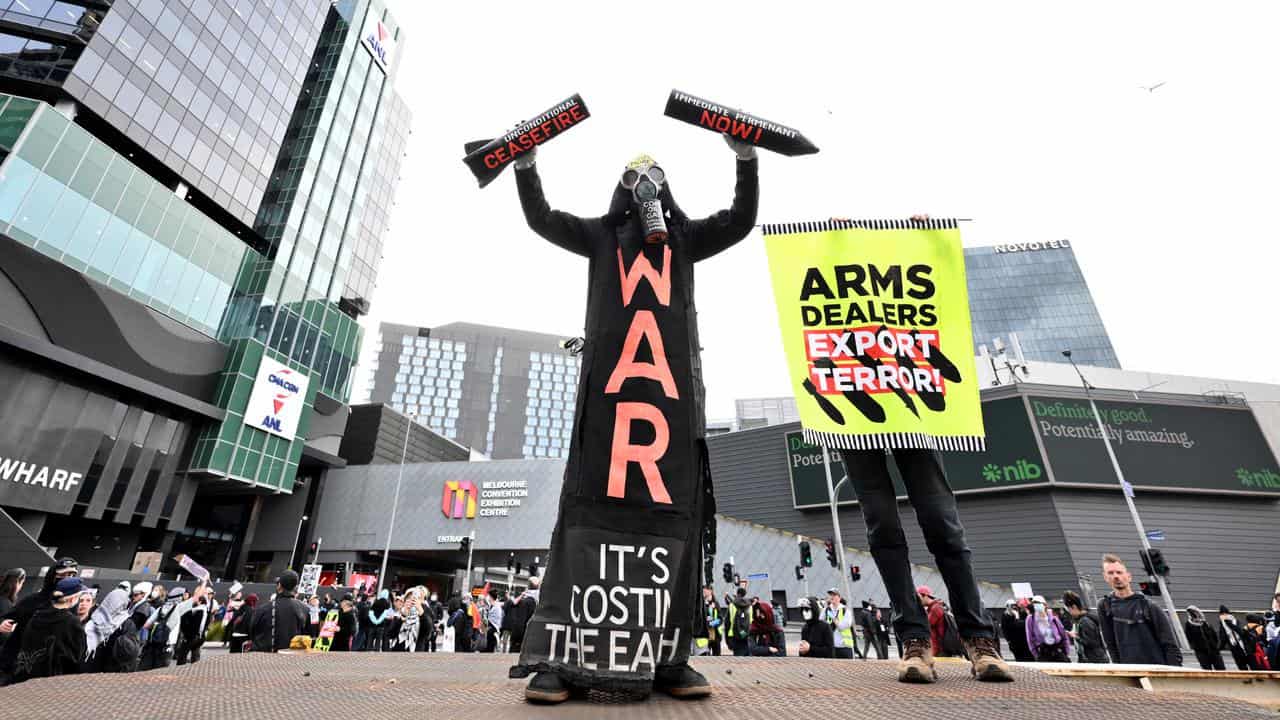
{"x": 1127, "y": 491}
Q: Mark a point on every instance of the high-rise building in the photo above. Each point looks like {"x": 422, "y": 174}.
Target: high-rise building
{"x": 193, "y": 196}
{"x": 759, "y": 412}
{"x": 505, "y": 393}
{"x": 1037, "y": 291}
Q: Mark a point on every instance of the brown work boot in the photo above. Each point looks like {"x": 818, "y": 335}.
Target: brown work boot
{"x": 916, "y": 665}
{"x": 988, "y": 666}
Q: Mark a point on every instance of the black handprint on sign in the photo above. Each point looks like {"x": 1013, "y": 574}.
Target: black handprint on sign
{"x": 865, "y": 404}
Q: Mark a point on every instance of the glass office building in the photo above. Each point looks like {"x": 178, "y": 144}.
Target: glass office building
{"x": 505, "y": 393}
{"x": 188, "y": 189}
{"x": 1037, "y": 291}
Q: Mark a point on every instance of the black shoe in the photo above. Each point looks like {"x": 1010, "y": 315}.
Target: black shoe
{"x": 546, "y": 687}
{"x": 681, "y": 681}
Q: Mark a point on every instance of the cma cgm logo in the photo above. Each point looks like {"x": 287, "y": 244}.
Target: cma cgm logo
{"x": 285, "y": 390}
{"x": 459, "y": 499}
{"x": 378, "y": 41}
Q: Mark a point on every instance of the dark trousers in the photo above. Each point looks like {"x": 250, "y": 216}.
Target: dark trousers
{"x": 935, "y": 507}
{"x": 187, "y": 650}
{"x": 741, "y": 648}
{"x": 1210, "y": 660}
{"x": 869, "y": 642}
{"x": 842, "y": 653}
{"x": 154, "y": 657}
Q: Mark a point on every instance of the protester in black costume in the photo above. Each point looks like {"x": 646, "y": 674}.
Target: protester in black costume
{"x": 637, "y": 475}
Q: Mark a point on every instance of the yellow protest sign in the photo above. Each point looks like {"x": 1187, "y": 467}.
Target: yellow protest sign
{"x": 875, "y": 323}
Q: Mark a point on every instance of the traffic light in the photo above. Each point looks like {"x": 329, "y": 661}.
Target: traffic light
{"x": 511, "y": 561}
{"x": 799, "y": 573}
{"x": 806, "y": 555}
{"x": 831, "y": 554}
{"x": 728, "y": 572}
{"x": 314, "y": 547}
{"x": 855, "y": 572}
{"x": 533, "y": 567}
{"x": 1153, "y": 562}
{"x": 518, "y": 566}
{"x": 1157, "y": 562}
{"x": 1149, "y": 588}
{"x": 465, "y": 544}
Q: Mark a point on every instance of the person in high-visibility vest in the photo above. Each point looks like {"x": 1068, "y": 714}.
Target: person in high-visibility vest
{"x": 840, "y": 618}
{"x": 709, "y": 641}
{"x": 738, "y": 629}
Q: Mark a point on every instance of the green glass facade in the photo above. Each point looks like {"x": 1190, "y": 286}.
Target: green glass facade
{"x": 296, "y": 308}
{"x": 73, "y": 198}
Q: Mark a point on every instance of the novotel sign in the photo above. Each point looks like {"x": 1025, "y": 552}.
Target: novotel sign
{"x": 1028, "y": 246}
{"x": 376, "y": 38}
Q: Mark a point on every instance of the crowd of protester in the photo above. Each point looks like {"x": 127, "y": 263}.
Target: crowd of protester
{"x": 66, "y": 627}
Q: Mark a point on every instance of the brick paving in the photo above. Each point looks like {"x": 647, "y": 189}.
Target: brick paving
{"x": 431, "y": 686}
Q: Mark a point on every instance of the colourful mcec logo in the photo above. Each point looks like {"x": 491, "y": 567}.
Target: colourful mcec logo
{"x": 459, "y": 499}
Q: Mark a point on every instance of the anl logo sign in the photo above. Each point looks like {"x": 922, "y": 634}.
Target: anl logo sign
{"x": 377, "y": 40}
{"x": 279, "y": 394}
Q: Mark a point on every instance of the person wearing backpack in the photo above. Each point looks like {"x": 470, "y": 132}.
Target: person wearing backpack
{"x": 192, "y": 626}
{"x": 944, "y": 634}
{"x": 1135, "y": 631}
{"x": 162, "y": 628}
{"x": 738, "y": 629}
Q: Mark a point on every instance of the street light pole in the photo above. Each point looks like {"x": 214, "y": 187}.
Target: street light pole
{"x": 471, "y": 549}
{"x": 835, "y": 522}
{"x": 1126, "y": 491}
{"x": 297, "y": 538}
{"x": 395, "y": 501}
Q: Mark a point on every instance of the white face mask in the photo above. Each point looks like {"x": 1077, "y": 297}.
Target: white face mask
{"x": 806, "y": 614}
{"x": 1039, "y": 607}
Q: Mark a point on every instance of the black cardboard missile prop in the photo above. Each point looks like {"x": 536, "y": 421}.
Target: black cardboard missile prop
{"x": 488, "y": 158}
{"x": 735, "y": 123}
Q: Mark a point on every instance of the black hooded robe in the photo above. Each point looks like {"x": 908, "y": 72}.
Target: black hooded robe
{"x": 621, "y": 592}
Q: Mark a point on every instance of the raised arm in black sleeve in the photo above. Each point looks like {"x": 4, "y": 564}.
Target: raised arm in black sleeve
{"x": 557, "y": 226}
{"x": 725, "y": 228}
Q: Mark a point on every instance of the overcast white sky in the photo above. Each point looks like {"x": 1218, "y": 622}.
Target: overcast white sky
{"x": 1025, "y": 117}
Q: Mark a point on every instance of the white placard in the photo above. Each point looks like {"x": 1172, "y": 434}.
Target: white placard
{"x": 275, "y": 405}
{"x": 310, "y": 580}
{"x": 1022, "y": 590}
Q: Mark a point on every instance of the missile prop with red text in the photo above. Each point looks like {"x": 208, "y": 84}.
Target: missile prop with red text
{"x": 737, "y": 124}
{"x": 488, "y": 158}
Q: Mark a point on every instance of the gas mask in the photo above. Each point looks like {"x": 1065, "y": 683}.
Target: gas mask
{"x": 807, "y": 614}
{"x": 645, "y": 179}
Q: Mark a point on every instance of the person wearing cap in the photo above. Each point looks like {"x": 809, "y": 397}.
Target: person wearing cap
{"x": 277, "y": 622}
{"x": 840, "y": 618}
{"x": 139, "y": 604}
{"x": 19, "y": 616}
{"x": 54, "y": 641}
{"x": 937, "y": 617}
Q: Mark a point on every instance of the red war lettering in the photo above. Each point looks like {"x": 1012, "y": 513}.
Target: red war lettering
{"x": 758, "y": 132}
{"x": 576, "y": 113}
{"x": 646, "y": 455}
{"x": 723, "y": 123}
{"x": 642, "y": 268}
{"x": 741, "y": 129}
{"x": 643, "y": 325}
{"x": 490, "y": 161}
